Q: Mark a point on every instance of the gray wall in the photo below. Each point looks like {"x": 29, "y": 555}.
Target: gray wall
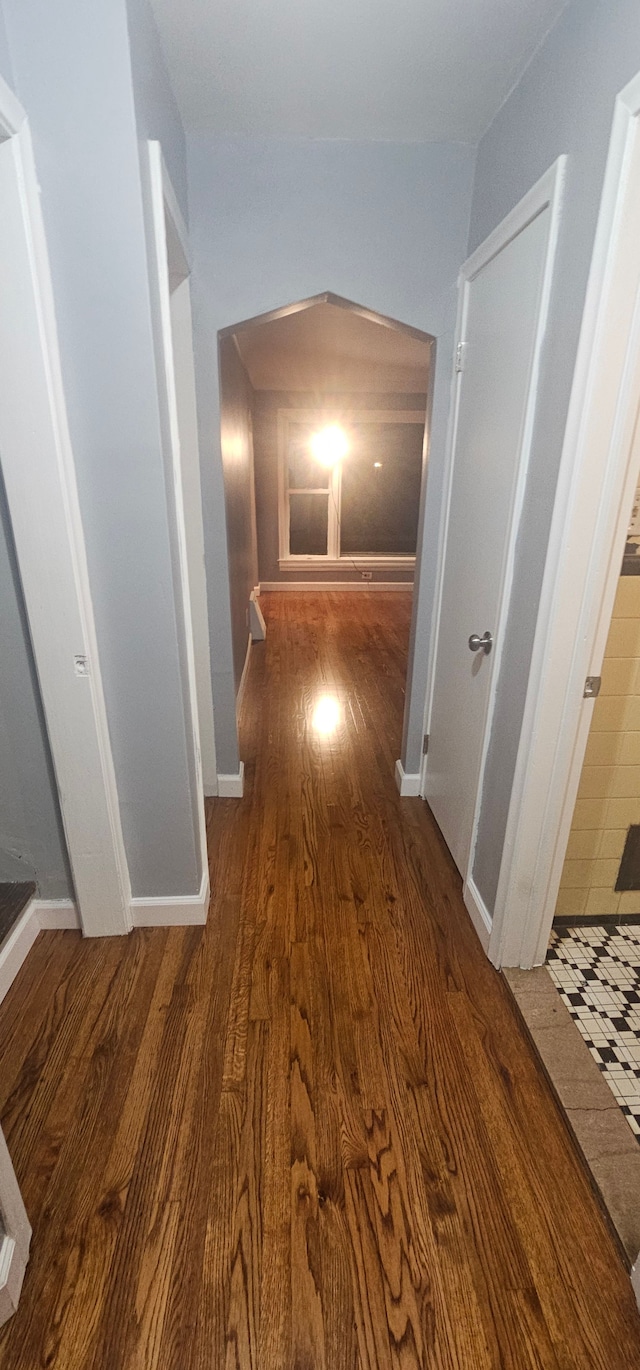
{"x": 265, "y": 439}
{"x": 157, "y": 113}
{"x": 273, "y": 221}
{"x": 236, "y": 403}
{"x": 73, "y": 74}
{"x": 564, "y": 103}
{"x": 32, "y": 845}
{"x": 6, "y": 70}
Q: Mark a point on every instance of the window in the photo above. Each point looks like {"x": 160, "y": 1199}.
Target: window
{"x": 365, "y": 506}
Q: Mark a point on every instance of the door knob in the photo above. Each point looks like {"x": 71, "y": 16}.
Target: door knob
{"x": 484, "y": 643}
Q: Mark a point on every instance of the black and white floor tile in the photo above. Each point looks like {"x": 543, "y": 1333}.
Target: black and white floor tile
{"x": 597, "y": 971}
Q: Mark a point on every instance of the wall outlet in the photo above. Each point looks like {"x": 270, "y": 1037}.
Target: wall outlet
{"x": 367, "y": 575}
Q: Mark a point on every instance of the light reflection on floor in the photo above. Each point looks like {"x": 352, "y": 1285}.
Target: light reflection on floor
{"x": 327, "y": 715}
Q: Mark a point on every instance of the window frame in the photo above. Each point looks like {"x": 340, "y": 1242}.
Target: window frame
{"x": 332, "y": 561}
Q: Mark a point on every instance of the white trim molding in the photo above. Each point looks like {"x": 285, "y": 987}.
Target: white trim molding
{"x": 178, "y": 911}
{"x": 39, "y": 915}
{"x": 56, "y": 914}
{"x": 269, "y": 586}
{"x": 599, "y": 472}
{"x": 166, "y": 246}
{"x": 347, "y": 563}
{"x": 408, "y": 785}
{"x": 16, "y": 1237}
{"x": 231, "y": 786}
{"x": 478, "y": 912}
{"x": 16, "y": 947}
{"x": 39, "y": 474}
{"x": 243, "y": 677}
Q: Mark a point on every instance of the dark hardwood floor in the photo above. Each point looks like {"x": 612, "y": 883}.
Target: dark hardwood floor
{"x": 312, "y": 1134}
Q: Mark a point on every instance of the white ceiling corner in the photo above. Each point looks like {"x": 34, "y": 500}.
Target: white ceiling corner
{"x": 398, "y": 70}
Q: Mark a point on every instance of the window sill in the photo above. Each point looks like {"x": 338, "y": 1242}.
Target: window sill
{"x": 343, "y": 563}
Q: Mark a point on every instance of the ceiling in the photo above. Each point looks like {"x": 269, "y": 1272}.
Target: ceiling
{"x": 406, "y": 70}
{"x": 327, "y": 348}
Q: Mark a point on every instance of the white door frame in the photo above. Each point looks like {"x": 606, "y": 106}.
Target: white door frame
{"x": 598, "y": 475}
{"x": 39, "y": 475}
{"x": 15, "y": 1236}
{"x": 545, "y": 194}
{"x": 179, "y": 260}
{"x": 164, "y": 203}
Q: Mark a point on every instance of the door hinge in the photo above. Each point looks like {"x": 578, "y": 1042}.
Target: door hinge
{"x": 425, "y": 744}
{"x": 592, "y": 687}
{"x": 460, "y": 353}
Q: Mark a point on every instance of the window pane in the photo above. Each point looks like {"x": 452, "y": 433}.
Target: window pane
{"x": 305, "y": 471}
{"x": 308, "y": 517}
{"x": 381, "y": 489}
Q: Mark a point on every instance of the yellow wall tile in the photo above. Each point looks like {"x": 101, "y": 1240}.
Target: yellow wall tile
{"x": 621, "y": 813}
{"x": 585, "y": 844}
{"x": 604, "y": 749}
{"x": 605, "y": 872}
{"x": 609, "y": 792}
{"x": 618, "y": 675}
{"x": 629, "y": 902}
{"x": 579, "y": 875}
{"x": 631, "y": 715}
{"x": 630, "y": 748}
{"x": 611, "y": 843}
{"x": 592, "y": 813}
{"x": 571, "y": 902}
{"x": 625, "y": 782}
{"x": 596, "y": 782}
{"x": 627, "y": 601}
{"x": 624, "y": 637}
{"x": 610, "y": 714}
{"x": 602, "y": 901}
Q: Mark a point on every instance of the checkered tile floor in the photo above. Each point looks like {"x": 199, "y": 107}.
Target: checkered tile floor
{"x": 597, "y": 971}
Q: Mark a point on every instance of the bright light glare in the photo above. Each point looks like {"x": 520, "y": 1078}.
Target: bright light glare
{"x": 326, "y": 715}
{"x": 377, "y": 463}
{"x": 330, "y": 444}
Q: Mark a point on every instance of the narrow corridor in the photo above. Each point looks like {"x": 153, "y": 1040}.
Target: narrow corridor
{"x": 314, "y": 1133}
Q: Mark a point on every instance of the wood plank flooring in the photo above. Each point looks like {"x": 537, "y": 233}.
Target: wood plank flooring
{"x": 312, "y": 1135}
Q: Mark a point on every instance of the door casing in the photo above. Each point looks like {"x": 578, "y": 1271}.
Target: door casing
{"x": 599, "y": 472}
{"x": 546, "y": 194}
{"x": 40, "y": 481}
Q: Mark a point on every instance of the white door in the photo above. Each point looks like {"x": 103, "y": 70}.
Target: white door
{"x": 505, "y": 291}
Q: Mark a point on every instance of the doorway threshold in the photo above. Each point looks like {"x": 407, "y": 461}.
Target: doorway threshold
{"x": 608, "y": 1147}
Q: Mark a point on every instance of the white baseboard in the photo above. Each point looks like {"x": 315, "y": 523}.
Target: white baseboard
{"x": 12, "y": 1273}
{"x": 635, "y": 1280}
{"x": 478, "y": 912}
{"x": 333, "y": 585}
{"x": 56, "y": 914}
{"x": 17, "y": 946}
{"x": 180, "y": 911}
{"x": 243, "y": 679}
{"x": 408, "y": 784}
{"x": 232, "y": 786}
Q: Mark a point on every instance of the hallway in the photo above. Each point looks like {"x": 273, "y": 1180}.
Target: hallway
{"x": 312, "y": 1134}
